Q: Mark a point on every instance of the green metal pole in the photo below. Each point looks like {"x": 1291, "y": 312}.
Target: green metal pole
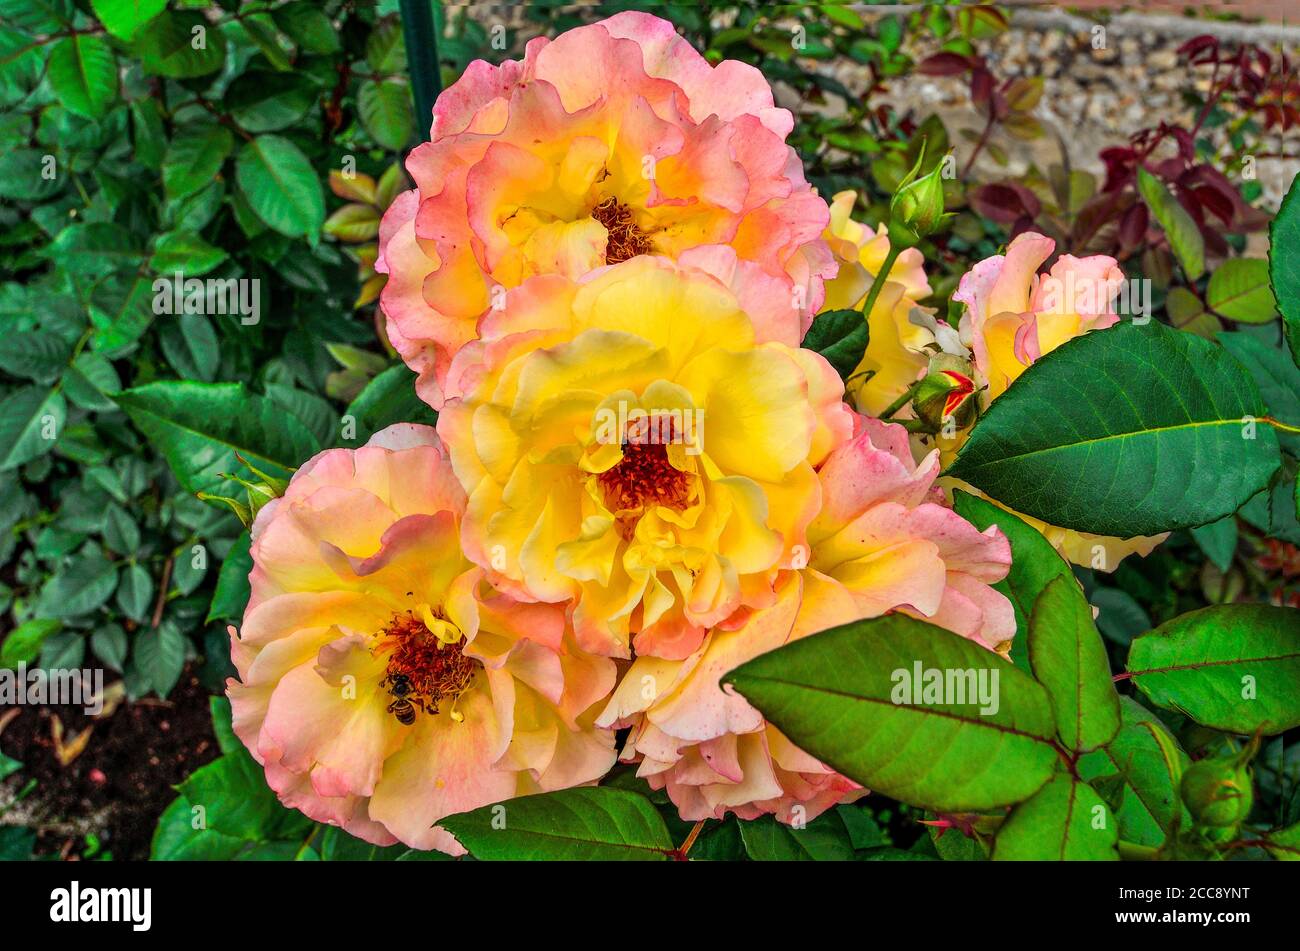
{"x": 422, "y": 60}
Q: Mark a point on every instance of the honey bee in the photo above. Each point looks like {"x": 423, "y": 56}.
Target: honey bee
{"x": 401, "y": 708}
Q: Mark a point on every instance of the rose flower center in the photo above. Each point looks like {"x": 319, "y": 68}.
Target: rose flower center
{"x": 645, "y": 476}
{"x": 626, "y": 240}
{"x": 425, "y": 669}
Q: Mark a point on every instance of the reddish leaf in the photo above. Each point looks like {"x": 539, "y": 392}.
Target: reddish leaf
{"x": 1200, "y": 49}
{"x": 1133, "y": 226}
{"x": 1214, "y": 203}
{"x": 1005, "y": 203}
{"x": 944, "y": 64}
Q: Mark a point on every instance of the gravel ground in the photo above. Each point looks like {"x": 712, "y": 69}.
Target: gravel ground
{"x": 1092, "y": 98}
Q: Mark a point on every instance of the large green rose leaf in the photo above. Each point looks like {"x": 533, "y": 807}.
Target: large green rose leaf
{"x": 1034, "y": 563}
{"x": 281, "y": 186}
{"x": 1063, "y": 821}
{"x": 199, "y": 428}
{"x": 1232, "y": 667}
{"x": 597, "y": 823}
{"x": 1133, "y": 430}
{"x": 845, "y": 695}
{"x": 1284, "y": 264}
{"x": 1069, "y": 659}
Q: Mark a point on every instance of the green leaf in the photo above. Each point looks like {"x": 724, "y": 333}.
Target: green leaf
{"x": 385, "y": 51}
{"x": 1125, "y": 431}
{"x": 191, "y": 346}
{"x": 337, "y": 846}
{"x": 316, "y": 414}
{"x": 264, "y": 101}
{"x": 231, "y": 595}
{"x": 123, "y": 18}
{"x": 89, "y": 380}
{"x": 194, "y": 157}
{"x": 825, "y": 839}
{"x": 308, "y": 26}
{"x": 34, "y": 355}
{"x": 237, "y": 801}
{"x": 37, "y": 16}
{"x": 261, "y": 30}
{"x": 1284, "y": 844}
{"x": 87, "y": 582}
{"x": 83, "y": 74}
{"x": 1284, "y": 264}
{"x": 135, "y": 593}
{"x": 121, "y": 534}
{"x": 1218, "y": 541}
{"x": 281, "y": 186}
{"x": 1277, "y": 377}
{"x": 185, "y": 251}
{"x": 222, "y": 725}
{"x": 588, "y": 823}
{"x": 1119, "y": 616}
{"x": 841, "y": 336}
{"x": 1069, "y": 659}
{"x": 31, "y": 420}
{"x": 23, "y": 643}
{"x": 840, "y": 695}
{"x": 1034, "y": 563}
{"x": 180, "y": 44}
{"x": 388, "y": 398}
{"x": 121, "y": 310}
{"x": 1149, "y": 808}
{"x": 63, "y": 651}
{"x": 1184, "y": 236}
{"x": 198, "y": 427}
{"x": 160, "y": 655}
{"x": 1063, "y": 821}
{"x": 385, "y": 110}
{"x": 110, "y": 645}
{"x": 95, "y": 248}
{"x": 27, "y": 175}
{"x": 1232, "y": 667}
{"x": 1273, "y": 512}
{"x": 179, "y": 836}
{"x": 8, "y": 766}
{"x": 1239, "y": 291}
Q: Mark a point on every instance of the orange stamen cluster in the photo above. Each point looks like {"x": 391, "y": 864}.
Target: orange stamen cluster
{"x": 644, "y": 477}
{"x": 626, "y": 240}
{"x": 434, "y": 671}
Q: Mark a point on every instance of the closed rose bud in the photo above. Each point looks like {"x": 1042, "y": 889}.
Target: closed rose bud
{"x": 916, "y": 210}
{"x": 1218, "y": 792}
{"x": 946, "y": 393}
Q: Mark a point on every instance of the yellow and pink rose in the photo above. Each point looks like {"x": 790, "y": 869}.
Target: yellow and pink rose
{"x": 610, "y": 141}
{"x": 382, "y": 683}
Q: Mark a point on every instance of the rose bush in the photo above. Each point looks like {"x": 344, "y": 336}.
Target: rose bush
{"x": 765, "y": 414}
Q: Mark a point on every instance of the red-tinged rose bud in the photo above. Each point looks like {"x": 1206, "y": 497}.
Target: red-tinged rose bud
{"x": 946, "y": 396}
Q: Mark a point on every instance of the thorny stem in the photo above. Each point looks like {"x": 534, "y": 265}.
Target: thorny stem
{"x": 680, "y": 854}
